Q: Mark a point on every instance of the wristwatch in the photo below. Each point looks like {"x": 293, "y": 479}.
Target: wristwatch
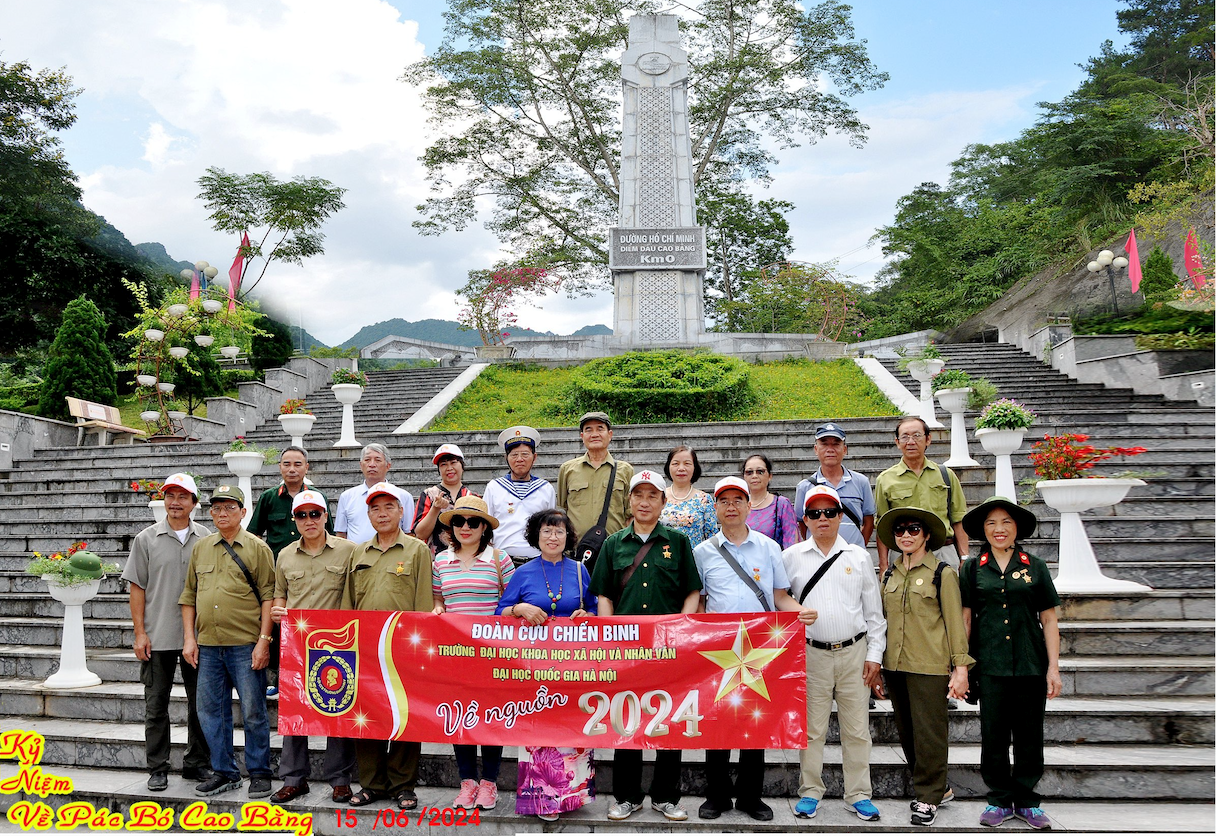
{"x": 266, "y": 638}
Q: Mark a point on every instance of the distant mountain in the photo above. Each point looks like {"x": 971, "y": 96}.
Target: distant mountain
{"x": 303, "y": 340}
{"x": 159, "y": 256}
{"x": 592, "y": 331}
{"x": 443, "y": 331}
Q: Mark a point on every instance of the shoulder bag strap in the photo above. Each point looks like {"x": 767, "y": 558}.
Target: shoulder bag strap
{"x": 608, "y": 497}
{"x": 248, "y": 576}
{"x": 497, "y": 557}
{"x": 637, "y": 561}
{"x": 819, "y": 573}
{"x": 747, "y": 579}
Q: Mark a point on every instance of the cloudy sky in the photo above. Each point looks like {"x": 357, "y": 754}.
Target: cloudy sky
{"x": 312, "y": 87}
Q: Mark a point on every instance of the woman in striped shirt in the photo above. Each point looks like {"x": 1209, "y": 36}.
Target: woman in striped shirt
{"x": 469, "y": 578}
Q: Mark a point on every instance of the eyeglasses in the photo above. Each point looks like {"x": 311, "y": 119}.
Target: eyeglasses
{"x": 314, "y": 514}
{"x": 471, "y": 522}
{"x": 827, "y": 513}
{"x": 906, "y": 437}
{"x": 760, "y": 471}
{"x": 732, "y": 503}
{"x": 226, "y": 508}
{"x": 547, "y": 533}
{"x": 907, "y": 528}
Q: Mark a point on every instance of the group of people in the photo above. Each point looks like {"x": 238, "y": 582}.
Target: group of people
{"x": 920, "y": 630}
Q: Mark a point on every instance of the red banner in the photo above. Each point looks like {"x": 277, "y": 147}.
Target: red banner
{"x": 646, "y": 682}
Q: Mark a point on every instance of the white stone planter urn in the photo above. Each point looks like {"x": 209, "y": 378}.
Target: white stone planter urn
{"x": 348, "y": 394}
{"x": 297, "y": 425}
{"x": 923, "y": 372}
{"x": 1002, "y": 444}
{"x": 1078, "y": 568}
{"x": 494, "y": 352}
{"x": 954, "y": 401}
{"x": 73, "y": 669}
{"x": 245, "y": 465}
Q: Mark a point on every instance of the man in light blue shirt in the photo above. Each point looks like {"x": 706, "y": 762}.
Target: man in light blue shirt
{"x": 852, "y": 487}
{"x": 741, "y": 571}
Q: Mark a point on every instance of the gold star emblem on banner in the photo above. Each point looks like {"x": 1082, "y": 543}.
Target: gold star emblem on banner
{"x": 742, "y": 665}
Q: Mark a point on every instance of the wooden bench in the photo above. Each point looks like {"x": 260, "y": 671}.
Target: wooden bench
{"x": 100, "y": 420}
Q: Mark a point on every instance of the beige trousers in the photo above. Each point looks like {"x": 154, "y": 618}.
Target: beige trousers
{"x": 837, "y": 673}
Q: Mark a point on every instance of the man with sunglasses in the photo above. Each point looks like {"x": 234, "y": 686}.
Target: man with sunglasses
{"x": 311, "y": 575}
{"x": 845, "y": 644}
{"x": 741, "y": 571}
{"x": 916, "y": 482}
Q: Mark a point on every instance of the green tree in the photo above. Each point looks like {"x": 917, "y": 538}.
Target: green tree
{"x": 198, "y": 378}
{"x": 535, "y": 87}
{"x": 272, "y": 348}
{"x": 1157, "y": 277}
{"x": 282, "y": 218}
{"x": 79, "y": 363}
{"x": 742, "y": 235}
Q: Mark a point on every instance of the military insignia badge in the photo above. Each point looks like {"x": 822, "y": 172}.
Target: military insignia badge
{"x": 667, "y": 552}
{"x": 848, "y": 570}
{"x": 400, "y": 567}
{"x": 331, "y": 677}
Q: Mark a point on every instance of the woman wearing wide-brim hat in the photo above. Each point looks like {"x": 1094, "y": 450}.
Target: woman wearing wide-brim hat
{"x": 468, "y": 578}
{"x": 1009, "y": 607}
{"x": 926, "y": 658}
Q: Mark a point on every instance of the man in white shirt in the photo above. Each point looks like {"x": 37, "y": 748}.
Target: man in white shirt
{"x": 518, "y": 495}
{"x": 351, "y": 520}
{"x": 741, "y": 571}
{"x": 844, "y": 650}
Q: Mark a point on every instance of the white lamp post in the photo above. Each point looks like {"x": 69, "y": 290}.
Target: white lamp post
{"x": 1104, "y": 261}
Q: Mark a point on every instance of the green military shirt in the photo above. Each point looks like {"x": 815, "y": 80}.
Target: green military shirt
{"x": 925, "y": 632}
{"x": 313, "y": 582}
{"x": 396, "y": 578}
{"x": 226, "y": 612}
{"x": 1006, "y": 635}
{"x": 581, "y": 488}
{"x": 665, "y": 577}
{"x": 900, "y": 487}
{"x": 272, "y": 520}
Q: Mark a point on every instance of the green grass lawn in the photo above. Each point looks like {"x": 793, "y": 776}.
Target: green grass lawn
{"x": 129, "y": 408}
{"x": 789, "y": 389}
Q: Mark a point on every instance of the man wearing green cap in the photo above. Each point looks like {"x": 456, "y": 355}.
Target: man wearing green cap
{"x": 583, "y": 483}
{"x": 226, "y": 619}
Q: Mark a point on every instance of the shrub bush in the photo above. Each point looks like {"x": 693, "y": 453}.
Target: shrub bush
{"x": 231, "y": 377}
{"x": 663, "y": 386}
{"x": 79, "y": 362}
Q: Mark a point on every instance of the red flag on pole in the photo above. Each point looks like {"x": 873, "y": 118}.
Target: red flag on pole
{"x": 1133, "y": 261}
{"x": 234, "y": 272}
{"x": 1194, "y": 265}
{"x": 194, "y": 290}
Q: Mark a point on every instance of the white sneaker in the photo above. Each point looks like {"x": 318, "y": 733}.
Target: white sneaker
{"x": 549, "y": 816}
{"x": 670, "y": 810}
{"x": 622, "y": 810}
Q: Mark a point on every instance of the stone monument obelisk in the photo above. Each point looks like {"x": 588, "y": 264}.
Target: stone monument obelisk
{"x": 657, "y": 254}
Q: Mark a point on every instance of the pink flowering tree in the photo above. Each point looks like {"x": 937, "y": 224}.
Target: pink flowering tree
{"x": 490, "y": 297}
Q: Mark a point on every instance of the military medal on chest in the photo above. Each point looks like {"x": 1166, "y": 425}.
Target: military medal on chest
{"x": 756, "y": 573}
{"x": 667, "y": 552}
{"x": 400, "y": 567}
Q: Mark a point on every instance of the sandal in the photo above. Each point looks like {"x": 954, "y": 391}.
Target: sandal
{"x": 363, "y": 797}
{"x": 407, "y": 800}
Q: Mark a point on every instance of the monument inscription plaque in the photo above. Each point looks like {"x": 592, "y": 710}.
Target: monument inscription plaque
{"x": 643, "y": 248}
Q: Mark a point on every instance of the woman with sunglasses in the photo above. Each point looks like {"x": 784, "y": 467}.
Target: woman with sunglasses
{"x": 551, "y": 780}
{"x": 1009, "y": 607}
{"x": 437, "y": 499}
{"x": 468, "y": 578}
{"x": 926, "y": 659}
{"x": 771, "y": 515}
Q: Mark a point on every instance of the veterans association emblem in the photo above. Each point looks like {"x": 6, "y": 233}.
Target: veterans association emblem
{"x": 332, "y": 669}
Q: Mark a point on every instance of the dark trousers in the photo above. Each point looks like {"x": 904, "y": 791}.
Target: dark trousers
{"x": 157, "y": 677}
{"x": 921, "y": 718}
{"x": 272, "y": 669}
{"x": 746, "y": 787}
{"x": 466, "y": 762}
{"x": 627, "y": 776}
{"x": 388, "y": 767}
{"x": 1011, "y": 712}
{"x": 339, "y": 764}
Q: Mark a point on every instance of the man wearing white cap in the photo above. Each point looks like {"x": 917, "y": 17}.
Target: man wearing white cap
{"x": 156, "y": 570}
{"x": 311, "y": 575}
{"x": 646, "y": 569}
{"x": 845, "y": 643}
{"x": 350, "y": 520}
{"x": 513, "y": 498}
{"x": 741, "y": 571}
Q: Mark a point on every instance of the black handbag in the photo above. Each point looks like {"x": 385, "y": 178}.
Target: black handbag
{"x": 589, "y": 545}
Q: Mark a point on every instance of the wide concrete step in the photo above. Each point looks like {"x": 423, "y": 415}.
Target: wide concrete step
{"x": 1084, "y": 771}
{"x": 118, "y": 790}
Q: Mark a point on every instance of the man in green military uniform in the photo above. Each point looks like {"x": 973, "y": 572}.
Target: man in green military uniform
{"x": 646, "y": 569}
{"x": 391, "y": 571}
{"x": 272, "y": 521}
{"x": 916, "y": 482}
{"x": 226, "y": 620}
{"x": 582, "y": 483}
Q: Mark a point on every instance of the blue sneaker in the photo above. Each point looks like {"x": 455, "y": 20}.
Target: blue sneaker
{"x": 272, "y": 691}
{"x": 806, "y": 807}
{"x": 865, "y": 809}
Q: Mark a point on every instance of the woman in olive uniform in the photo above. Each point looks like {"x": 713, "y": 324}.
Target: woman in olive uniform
{"x": 926, "y": 659}
{"x": 1009, "y": 606}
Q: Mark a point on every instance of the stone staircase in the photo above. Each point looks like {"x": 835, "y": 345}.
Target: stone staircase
{"x": 1135, "y": 720}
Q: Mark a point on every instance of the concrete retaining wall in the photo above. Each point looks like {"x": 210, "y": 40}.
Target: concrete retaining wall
{"x": 21, "y": 434}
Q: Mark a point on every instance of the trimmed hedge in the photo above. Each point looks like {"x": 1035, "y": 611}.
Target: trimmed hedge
{"x": 663, "y": 387}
